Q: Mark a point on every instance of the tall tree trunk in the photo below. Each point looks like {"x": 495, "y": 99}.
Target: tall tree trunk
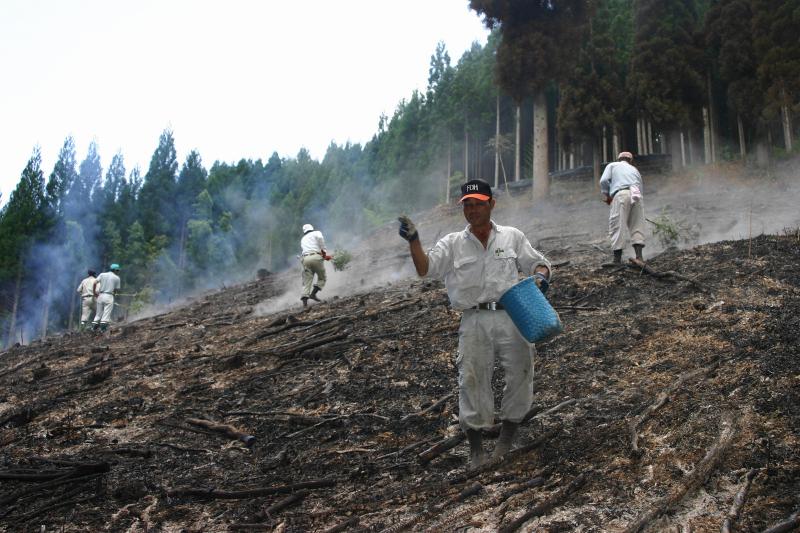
{"x": 46, "y": 305}
{"x": 517, "y": 146}
{"x": 742, "y": 148}
{"x": 466, "y": 150}
{"x": 615, "y": 143}
{"x": 449, "y": 165}
{"x": 786, "y": 119}
{"x": 12, "y": 321}
{"x": 649, "y": 137}
{"x": 712, "y": 130}
{"x": 72, "y": 300}
{"x": 683, "y": 149}
{"x": 706, "y": 137}
{"x": 675, "y": 148}
{"x": 639, "y": 149}
{"x": 604, "y": 152}
{"x": 497, "y": 143}
{"x": 596, "y": 158}
{"x": 541, "y": 178}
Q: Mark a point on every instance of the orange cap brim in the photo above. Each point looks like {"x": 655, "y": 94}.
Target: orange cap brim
{"x": 481, "y": 197}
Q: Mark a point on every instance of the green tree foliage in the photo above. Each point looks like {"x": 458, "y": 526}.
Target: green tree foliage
{"x": 540, "y": 38}
{"x": 593, "y": 96}
{"x": 175, "y": 231}
{"x": 665, "y": 81}
{"x": 777, "y": 46}
{"x": 729, "y": 35}
{"x": 156, "y": 199}
{"x": 62, "y": 178}
{"x": 25, "y": 218}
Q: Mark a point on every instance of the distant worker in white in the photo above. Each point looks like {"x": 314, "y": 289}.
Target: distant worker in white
{"x": 105, "y": 288}
{"x": 621, "y": 185}
{"x": 478, "y": 265}
{"x": 86, "y": 291}
{"x": 313, "y": 259}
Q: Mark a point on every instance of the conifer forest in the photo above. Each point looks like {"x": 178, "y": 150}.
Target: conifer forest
{"x": 558, "y": 89}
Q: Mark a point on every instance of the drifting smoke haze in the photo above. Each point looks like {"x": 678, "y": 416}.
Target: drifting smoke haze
{"x": 726, "y": 202}
{"x": 717, "y": 203}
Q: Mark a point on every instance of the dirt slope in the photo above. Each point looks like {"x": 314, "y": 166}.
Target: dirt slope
{"x": 665, "y": 394}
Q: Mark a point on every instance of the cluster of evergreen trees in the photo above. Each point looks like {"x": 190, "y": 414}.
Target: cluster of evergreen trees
{"x": 560, "y": 83}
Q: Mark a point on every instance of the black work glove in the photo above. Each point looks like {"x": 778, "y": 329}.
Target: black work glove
{"x": 407, "y": 229}
{"x": 541, "y": 282}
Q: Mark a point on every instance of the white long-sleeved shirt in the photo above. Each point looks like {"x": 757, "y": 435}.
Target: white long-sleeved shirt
{"x": 313, "y": 241}
{"x": 619, "y": 175}
{"x": 86, "y": 288}
{"x": 473, "y": 274}
{"x": 107, "y": 282}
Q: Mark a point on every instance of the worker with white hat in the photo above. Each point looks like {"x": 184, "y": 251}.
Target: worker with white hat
{"x": 621, "y": 185}
{"x": 313, "y": 257}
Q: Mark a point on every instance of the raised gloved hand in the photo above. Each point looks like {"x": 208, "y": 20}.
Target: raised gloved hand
{"x": 541, "y": 282}
{"x": 407, "y": 229}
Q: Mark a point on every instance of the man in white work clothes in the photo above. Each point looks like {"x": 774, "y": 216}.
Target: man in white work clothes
{"x": 105, "y": 288}
{"x": 86, "y": 291}
{"x": 478, "y": 265}
{"x": 621, "y": 185}
{"x": 313, "y": 258}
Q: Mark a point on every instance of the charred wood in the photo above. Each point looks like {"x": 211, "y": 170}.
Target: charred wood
{"x": 738, "y": 502}
{"x": 440, "y": 447}
{"x": 662, "y": 398}
{"x": 225, "y": 429}
{"x": 438, "y": 403}
{"x": 696, "y": 479}
{"x": 212, "y": 494}
{"x": 787, "y": 525}
{"x": 641, "y": 266}
{"x": 292, "y": 499}
{"x": 344, "y": 526}
{"x": 546, "y": 506}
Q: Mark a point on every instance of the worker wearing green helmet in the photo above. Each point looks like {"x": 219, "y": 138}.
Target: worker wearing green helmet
{"x": 105, "y": 288}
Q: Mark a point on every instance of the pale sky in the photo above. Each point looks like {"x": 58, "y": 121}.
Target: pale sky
{"x": 233, "y": 79}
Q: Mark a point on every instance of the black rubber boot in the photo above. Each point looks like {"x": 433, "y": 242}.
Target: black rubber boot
{"x": 618, "y": 256}
{"x": 638, "y": 249}
{"x": 506, "y": 439}
{"x": 305, "y": 300}
{"x": 477, "y": 455}
{"x": 314, "y": 292}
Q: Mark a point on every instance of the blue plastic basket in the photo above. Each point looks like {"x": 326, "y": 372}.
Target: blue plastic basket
{"x": 530, "y": 311}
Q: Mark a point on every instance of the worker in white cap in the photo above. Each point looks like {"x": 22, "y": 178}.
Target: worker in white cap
{"x": 621, "y": 185}
{"x": 313, "y": 257}
{"x": 105, "y": 288}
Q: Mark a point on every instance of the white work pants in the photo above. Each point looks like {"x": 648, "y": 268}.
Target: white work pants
{"x": 87, "y": 306}
{"x": 313, "y": 264}
{"x": 105, "y": 305}
{"x": 482, "y": 336}
{"x": 626, "y": 218}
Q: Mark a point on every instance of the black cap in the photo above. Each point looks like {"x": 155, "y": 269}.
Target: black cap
{"x": 476, "y": 189}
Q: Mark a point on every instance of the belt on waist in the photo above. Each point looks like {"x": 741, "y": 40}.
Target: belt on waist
{"x": 618, "y": 190}
{"x": 489, "y": 306}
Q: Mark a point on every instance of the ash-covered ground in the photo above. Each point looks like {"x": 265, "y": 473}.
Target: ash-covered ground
{"x": 670, "y": 403}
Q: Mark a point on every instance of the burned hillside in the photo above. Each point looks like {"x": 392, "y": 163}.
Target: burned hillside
{"x": 671, "y": 391}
